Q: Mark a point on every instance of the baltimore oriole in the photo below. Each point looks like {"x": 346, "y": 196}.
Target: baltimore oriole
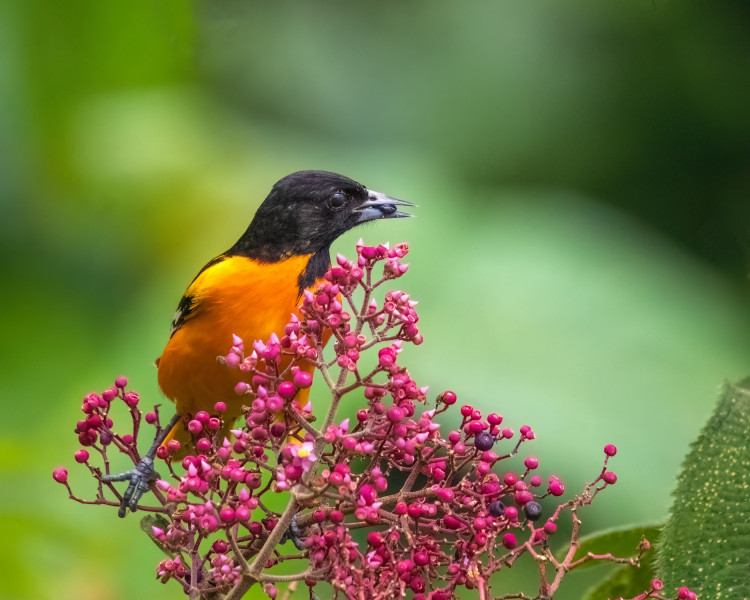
{"x": 252, "y": 290}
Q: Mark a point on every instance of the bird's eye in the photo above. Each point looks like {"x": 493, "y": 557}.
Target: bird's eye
{"x": 337, "y": 201}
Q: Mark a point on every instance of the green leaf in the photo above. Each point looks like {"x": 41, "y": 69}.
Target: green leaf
{"x": 160, "y": 521}
{"x": 705, "y": 544}
{"x": 620, "y": 542}
{"x": 625, "y": 581}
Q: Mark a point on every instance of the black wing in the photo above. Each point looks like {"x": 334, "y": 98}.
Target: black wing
{"x": 185, "y": 309}
{"x": 188, "y": 304}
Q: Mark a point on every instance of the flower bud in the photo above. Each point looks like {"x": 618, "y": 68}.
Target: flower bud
{"x": 60, "y": 475}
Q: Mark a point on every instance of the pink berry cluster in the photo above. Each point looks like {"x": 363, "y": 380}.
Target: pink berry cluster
{"x": 94, "y": 430}
{"x": 441, "y": 510}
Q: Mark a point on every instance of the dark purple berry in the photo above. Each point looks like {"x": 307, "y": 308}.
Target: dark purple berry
{"x": 533, "y": 510}
{"x": 484, "y": 441}
{"x": 496, "y": 508}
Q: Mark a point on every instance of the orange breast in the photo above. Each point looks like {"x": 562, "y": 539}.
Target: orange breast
{"x": 235, "y": 296}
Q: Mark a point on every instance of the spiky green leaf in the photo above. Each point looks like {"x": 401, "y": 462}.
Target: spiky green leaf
{"x": 705, "y": 544}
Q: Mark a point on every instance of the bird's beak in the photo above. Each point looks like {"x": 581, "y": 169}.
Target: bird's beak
{"x": 380, "y": 206}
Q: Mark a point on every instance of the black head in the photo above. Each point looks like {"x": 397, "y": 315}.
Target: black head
{"x": 307, "y": 210}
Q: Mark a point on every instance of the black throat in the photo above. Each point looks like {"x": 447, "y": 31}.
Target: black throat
{"x": 316, "y": 267}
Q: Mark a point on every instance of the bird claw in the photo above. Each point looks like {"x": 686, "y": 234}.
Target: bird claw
{"x": 140, "y": 477}
{"x": 295, "y": 533}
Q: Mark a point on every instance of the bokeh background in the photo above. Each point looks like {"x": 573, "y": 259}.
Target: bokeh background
{"x": 580, "y": 252}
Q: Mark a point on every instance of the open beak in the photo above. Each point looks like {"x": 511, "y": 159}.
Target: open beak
{"x": 380, "y": 206}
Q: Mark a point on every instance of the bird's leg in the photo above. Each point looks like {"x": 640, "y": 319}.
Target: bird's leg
{"x": 295, "y": 534}
{"x": 143, "y": 473}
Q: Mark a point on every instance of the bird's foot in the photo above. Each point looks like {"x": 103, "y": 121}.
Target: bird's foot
{"x": 295, "y": 534}
{"x": 140, "y": 477}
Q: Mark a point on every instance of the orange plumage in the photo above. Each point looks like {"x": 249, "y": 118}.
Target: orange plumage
{"x": 236, "y": 295}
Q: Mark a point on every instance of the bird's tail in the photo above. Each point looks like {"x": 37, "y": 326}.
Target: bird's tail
{"x": 180, "y": 433}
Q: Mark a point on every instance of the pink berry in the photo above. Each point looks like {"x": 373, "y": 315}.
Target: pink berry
{"x": 220, "y": 407}
{"x": 494, "y": 419}
{"x": 395, "y": 414}
{"x": 386, "y": 357}
{"x": 274, "y": 403}
{"x": 531, "y": 462}
{"x": 286, "y": 389}
{"x": 610, "y": 450}
{"x": 121, "y": 381}
{"x": 81, "y": 456}
{"x": 445, "y": 494}
{"x": 417, "y": 584}
{"x": 509, "y": 541}
{"x": 523, "y": 497}
{"x": 556, "y": 487}
{"x": 483, "y": 468}
{"x": 451, "y": 522}
{"x": 336, "y": 516}
{"x": 302, "y": 379}
{"x": 609, "y": 477}
{"x": 60, "y": 475}
{"x": 448, "y": 397}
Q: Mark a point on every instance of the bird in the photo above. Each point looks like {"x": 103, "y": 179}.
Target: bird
{"x": 252, "y": 290}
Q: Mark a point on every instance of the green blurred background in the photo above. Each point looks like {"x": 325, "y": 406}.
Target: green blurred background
{"x": 580, "y": 252}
